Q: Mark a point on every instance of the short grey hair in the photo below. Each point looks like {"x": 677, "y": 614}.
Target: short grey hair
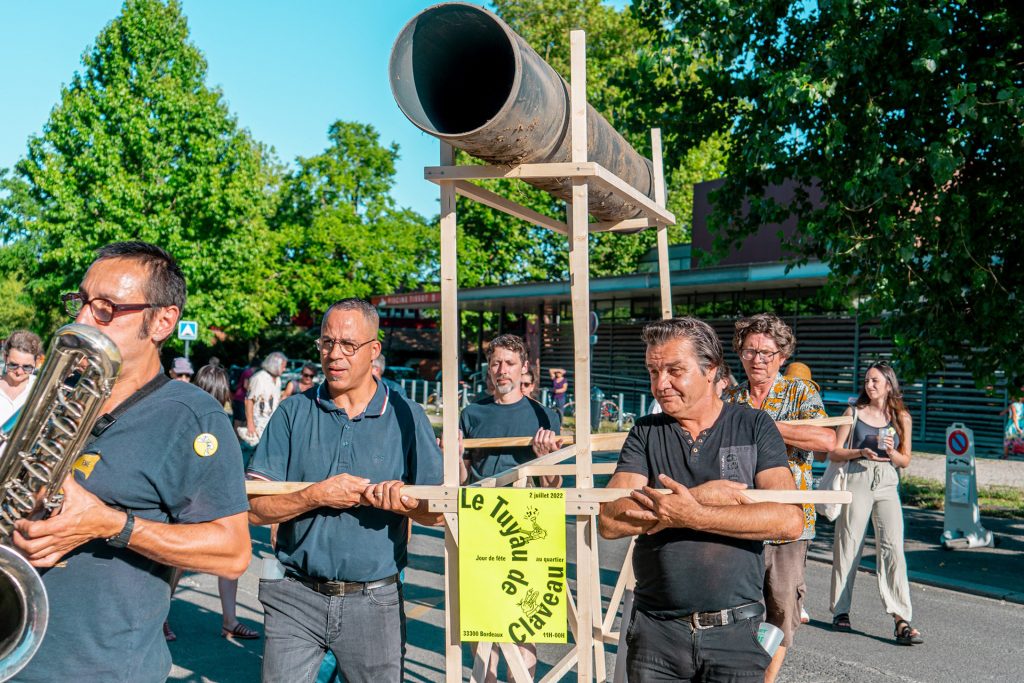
{"x": 274, "y": 361}
{"x": 769, "y": 325}
{"x": 379, "y": 362}
{"x": 368, "y": 310}
{"x": 703, "y": 340}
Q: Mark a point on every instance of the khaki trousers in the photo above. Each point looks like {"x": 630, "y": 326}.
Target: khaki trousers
{"x": 875, "y": 497}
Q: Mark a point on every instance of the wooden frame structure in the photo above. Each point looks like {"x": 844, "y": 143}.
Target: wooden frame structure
{"x": 591, "y": 628}
{"x": 455, "y": 180}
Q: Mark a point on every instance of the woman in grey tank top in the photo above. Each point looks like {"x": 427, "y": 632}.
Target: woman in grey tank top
{"x": 878, "y": 444}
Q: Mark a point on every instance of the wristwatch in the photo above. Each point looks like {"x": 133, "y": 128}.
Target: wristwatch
{"x": 121, "y": 540}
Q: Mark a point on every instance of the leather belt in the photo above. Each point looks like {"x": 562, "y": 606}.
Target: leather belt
{"x": 336, "y": 588}
{"x": 722, "y": 617}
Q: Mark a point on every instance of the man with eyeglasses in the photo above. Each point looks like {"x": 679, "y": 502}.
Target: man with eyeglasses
{"x": 157, "y": 486}
{"x": 22, "y": 352}
{"x": 764, "y": 342}
{"x": 342, "y": 541}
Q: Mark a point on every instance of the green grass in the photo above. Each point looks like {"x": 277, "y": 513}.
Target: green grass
{"x": 994, "y": 501}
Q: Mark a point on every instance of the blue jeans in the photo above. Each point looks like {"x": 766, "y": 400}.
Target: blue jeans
{"x": 364, "y": 630}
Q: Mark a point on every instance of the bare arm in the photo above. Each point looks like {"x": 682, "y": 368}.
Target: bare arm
{"x": 806, "y": 437}
{"x": 752, "y": 521}
{"x": 613, "y": 521}
{"x": 221, "y": 547}
{"x": 901, "y": 456}
{"x": 250, "y": 423}
{"x": 340, "y": 491}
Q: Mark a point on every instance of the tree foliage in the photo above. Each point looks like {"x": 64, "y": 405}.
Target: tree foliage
{"x": 138, "y": 147}
{"x": 343, "y": 235}
{"x": 500, "y": 249}
{"x": 907, "y": 118}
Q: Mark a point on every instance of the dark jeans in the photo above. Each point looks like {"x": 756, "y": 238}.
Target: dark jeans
{"x": 365, "y": 631}
{"x": 671, "y": 650}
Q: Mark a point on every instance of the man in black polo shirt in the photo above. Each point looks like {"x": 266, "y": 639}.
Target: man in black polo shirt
{"x": 343, "y": 540}
{"x": 160, "y": 487}
{"x": 697, "y": 560}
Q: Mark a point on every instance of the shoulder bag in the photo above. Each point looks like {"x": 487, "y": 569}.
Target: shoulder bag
{"x": 834, "y": 478}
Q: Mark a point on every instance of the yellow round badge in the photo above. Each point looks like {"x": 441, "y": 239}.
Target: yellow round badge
{"x": 205, "y": 445}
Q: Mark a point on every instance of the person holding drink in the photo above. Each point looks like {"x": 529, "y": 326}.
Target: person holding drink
{"x": 876, "y": 444}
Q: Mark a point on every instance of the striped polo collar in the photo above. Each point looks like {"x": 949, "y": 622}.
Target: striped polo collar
{"x": 377, "y": 406}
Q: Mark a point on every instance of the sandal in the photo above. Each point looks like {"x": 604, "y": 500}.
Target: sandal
{"x": 906, "y": 634}
{"x": 841, "y": 622}
{"x": 169, "y": 635}
{"x": 240, "y": 631}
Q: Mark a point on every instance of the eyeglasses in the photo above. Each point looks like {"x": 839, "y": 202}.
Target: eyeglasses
{"x": 526, "y": 384}
{"x": 310, "y": 375}
{"x": 28, "y": 368}
{"x": 103, "y": 310}
{"x": 766, "y": 356}
{"x": 347, "y": 348}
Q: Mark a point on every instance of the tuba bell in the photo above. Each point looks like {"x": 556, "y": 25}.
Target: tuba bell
{"x": 35, "y": 457}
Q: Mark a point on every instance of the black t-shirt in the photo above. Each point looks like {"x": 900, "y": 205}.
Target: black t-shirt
{"x": 488, "y": 419}
{"x": 172, "y": 457}
{"x": 680, "y": 571}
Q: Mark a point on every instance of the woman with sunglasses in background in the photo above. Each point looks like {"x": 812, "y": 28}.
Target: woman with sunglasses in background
{"x": 22, "y": 352}
{"x": 306, "y": 380}
{"x": 874, "y": 446}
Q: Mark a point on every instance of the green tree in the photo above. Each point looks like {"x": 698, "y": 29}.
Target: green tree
{"x": 138, "y": 147}
{"x": 344, "y": 235}
{"x": 908, "y": 119}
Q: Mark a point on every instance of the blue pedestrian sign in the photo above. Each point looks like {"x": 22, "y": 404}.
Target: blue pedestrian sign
{"x": 188, "y": 330}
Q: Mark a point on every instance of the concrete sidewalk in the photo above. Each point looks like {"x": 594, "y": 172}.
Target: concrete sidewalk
{"x": 996, "y": 573}
{"x": 991, "y": 472}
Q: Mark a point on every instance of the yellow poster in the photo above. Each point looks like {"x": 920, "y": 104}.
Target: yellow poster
{"x": 512, "y": 565}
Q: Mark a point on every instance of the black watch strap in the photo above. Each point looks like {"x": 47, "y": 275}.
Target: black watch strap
{"x": 121, "y": 540}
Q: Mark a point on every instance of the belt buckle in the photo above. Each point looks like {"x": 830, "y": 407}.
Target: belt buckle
{"x": 695, "y": 619}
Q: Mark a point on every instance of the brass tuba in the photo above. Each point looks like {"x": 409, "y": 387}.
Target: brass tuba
{"x": 37, "y": 456}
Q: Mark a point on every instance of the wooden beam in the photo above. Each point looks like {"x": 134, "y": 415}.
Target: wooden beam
{"x": 496, "y": 201}
{"x": 613, "y": 183}
{"x": 582, "y": 171}
{"x": 584, "y": 495}
{"x": 450, "y": 413}
{"x": 664, "y": 275}
{"x": 614, "y": 440}
{"x": 579, "y": 273}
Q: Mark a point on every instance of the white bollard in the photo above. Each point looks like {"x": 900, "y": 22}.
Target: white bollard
{"x": 962, "y": 518}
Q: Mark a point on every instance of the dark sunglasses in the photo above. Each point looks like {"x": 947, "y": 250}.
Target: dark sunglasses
{"x": 308, "y": 374}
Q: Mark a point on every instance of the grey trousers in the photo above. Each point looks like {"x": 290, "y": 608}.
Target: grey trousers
{"x": 365, "y": 631}
{"x": 875, "y": 497}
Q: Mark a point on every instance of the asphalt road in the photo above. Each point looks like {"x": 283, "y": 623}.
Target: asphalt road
{"x": 967, "y": 638}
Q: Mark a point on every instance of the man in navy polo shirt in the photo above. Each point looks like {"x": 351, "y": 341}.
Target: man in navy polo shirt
{"x": 342, "y": 540}
{"x": 698, "y": 556}
{"x": 160, "y": 487}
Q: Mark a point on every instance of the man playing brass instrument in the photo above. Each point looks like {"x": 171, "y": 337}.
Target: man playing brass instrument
{"x": 159, "y": 486}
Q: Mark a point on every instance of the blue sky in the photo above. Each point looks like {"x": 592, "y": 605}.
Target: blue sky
{"x": 287, "y": 70}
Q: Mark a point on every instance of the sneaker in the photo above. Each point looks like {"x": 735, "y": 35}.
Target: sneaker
{"x": 805, "y": 618}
